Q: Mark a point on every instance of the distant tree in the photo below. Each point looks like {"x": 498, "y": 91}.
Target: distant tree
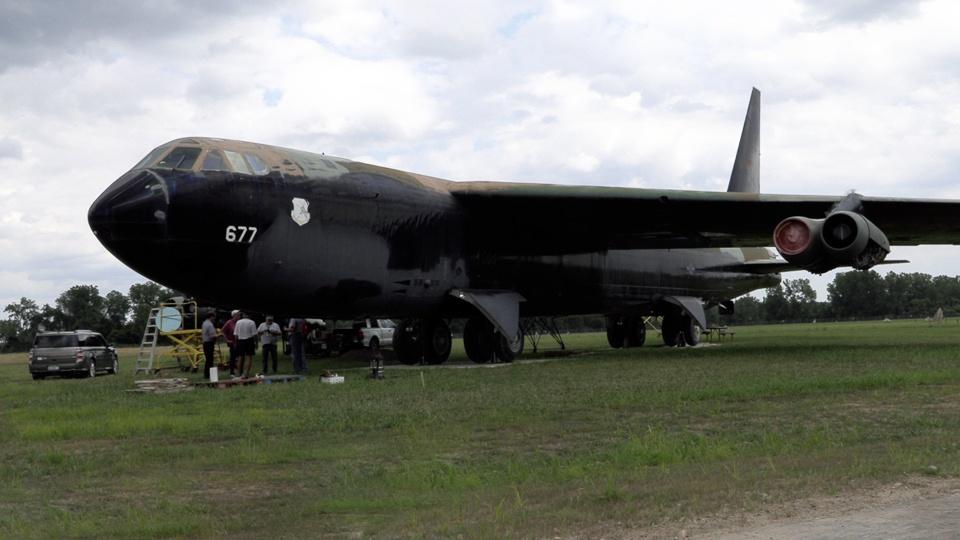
{"x": 9, "y": 335}
{"x": 117, "y": 307}
{"x": 48, "y": 318}
{"x": 775, "y": 305}
{"x": 858, "y": 294}
{"x": 746, "y": 310}
{"x": 801, "y": 299}
{"x": 22, "y": 314}
{"x": 143, "y": 297}
{"x": 81, "y": 306}
{"x": 948, "y": 294}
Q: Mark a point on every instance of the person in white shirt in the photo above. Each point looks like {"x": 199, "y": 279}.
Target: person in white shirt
{"x": 269, "y": 332}
{"x": 246, "y": 332}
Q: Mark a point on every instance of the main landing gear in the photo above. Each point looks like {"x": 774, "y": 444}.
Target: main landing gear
{"x": 677, "y": 328}
{"x": 626, "y": 332}
{"x": 417, "y": 341}
{"x": 484, "y": 344}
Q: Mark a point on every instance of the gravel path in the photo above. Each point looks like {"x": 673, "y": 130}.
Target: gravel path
{"x": 936, "y": 518}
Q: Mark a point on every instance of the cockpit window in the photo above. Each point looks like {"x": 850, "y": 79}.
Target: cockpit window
{"x": 181, "y": 157}
{"x": 237, "y": 162}
{"x": 259, "y": 167}
{"x": 214, "y": 161}
{"x": 152, "y": 156}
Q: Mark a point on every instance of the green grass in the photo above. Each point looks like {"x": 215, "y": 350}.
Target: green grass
{"x": 637, "y": 437}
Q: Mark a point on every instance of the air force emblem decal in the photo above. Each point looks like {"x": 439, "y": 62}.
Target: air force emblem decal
{"x": 300, "y": 214}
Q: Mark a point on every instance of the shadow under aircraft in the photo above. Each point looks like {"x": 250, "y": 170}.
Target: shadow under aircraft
{"x": 278, "y": 230}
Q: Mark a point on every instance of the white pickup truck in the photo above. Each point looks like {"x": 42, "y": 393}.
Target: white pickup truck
{"x": 367, "y": 333}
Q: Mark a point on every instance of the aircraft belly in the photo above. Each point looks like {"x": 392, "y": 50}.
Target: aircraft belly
{"x": 614, "y": 280}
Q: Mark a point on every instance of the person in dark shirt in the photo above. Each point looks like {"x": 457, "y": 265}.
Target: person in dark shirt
{"x": 209, "y": 337}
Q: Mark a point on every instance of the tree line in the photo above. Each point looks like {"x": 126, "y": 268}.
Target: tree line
{"x": 121, "y": 318}
{"x": 852, "y": 295}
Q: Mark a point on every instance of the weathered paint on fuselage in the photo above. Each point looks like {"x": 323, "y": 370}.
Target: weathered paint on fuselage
{"x": 377, "y": 242}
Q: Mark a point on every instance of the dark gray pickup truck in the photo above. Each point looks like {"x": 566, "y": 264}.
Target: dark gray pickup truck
{"x": 80, "y": 352}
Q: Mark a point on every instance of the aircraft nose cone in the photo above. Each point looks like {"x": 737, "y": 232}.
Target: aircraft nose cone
{"x": 135, "y": 206}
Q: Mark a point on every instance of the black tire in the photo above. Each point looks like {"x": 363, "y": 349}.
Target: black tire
{"x": 437, "y": 341}
{"x": 635, "y": 332}
{"x": 115, "y": 368}
{"x": 615, "y": 331}
{"x": 691, "y": 330}
{"x": 479, "y": 340}
{"x": 91, "y": 370}
{"x": 505, "y": 353}
{"x": 670, "y": 329}
{"x": 38, "y": 376}
{"x": 406, "y": 343}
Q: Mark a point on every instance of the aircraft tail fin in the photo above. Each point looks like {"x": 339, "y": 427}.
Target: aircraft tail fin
{"x": 745, "y": 177}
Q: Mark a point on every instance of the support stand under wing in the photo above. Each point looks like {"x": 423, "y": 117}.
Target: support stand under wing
{"x": 501, "y": 308}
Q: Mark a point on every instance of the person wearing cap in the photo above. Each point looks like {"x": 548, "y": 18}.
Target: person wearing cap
{"x": 246, "y": 334}
{"x": 230, "y": 336}
{"x": 209, "y": 337}
{"x": 269, "y": 333}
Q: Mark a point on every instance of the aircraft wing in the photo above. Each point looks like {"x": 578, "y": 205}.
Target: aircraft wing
{"x": 531, "y": 219}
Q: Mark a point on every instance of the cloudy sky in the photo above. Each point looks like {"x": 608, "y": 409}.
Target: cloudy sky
{"x": 858, "y": 95}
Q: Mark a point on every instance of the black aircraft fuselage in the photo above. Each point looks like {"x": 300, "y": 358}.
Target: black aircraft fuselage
{"x": 325, "y": 237}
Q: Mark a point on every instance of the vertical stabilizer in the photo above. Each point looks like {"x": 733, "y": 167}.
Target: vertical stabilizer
{"x": 745, "y": 177}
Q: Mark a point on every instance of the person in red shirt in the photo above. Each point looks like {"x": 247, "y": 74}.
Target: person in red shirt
{"x": 230, "y": 335}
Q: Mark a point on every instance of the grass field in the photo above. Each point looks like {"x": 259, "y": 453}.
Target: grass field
{"x": 629, "y": 438}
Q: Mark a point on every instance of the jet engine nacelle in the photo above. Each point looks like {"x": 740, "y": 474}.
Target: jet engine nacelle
{"x": 841, "y": 239}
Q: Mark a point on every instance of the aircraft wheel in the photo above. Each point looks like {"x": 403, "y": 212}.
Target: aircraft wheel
{"x": 635, "y": 332}
{"x": 691, "y": 330}
{"x": 479, "y": 340}
{"x": 506, "y": 353}
{"x": 406, "y": 343}
{"x": 436, "y": 341}
{"x": 615, "y": 331}
{"x": 670, "y": 329}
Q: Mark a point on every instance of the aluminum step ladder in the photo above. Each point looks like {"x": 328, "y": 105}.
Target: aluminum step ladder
{"x": 148, "y": 346}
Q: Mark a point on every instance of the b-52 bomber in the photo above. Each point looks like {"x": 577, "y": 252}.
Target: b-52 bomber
{"x": 280, "y": 230}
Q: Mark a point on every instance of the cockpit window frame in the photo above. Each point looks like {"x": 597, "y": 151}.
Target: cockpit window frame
{"x": 153, "y": 156}
{"x": 224, "y": 164}
{"x": 180, "y": 165}
{"x": 257, "y": 164}
{"x": 236, "y": 161}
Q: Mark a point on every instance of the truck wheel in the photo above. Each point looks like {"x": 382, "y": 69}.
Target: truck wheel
{"x": 38, "y": 376}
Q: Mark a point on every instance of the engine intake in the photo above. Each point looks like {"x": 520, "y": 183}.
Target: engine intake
{"x": 841, "y": 239}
